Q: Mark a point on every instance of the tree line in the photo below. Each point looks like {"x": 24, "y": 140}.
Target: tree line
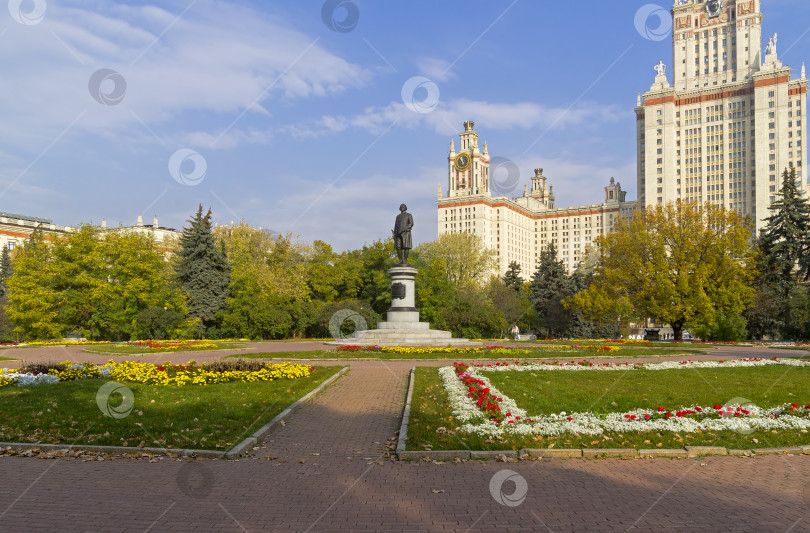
{"x": 694, "y": 267}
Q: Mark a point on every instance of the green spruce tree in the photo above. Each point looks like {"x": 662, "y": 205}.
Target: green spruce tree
{"x": 783, "y": 262}
{"x": 550, "y": 286}
{"x": 203, "y": 271}
{"x": 785, "y": 241}
{"x": 5, "y": 270}
{"x": 512, "y": 277}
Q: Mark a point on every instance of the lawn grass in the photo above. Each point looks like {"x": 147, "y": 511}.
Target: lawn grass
{"x": 7, "y": 359}
{"x": 214, "y": 417}
{"x": 547, "y": 392}
{"x": 534, "y": 353}
{"x": 552, "y": 392}
{"x": 131, "y": 349}
{"x": 802, "y": 348}
{"x": 591, "y": 342}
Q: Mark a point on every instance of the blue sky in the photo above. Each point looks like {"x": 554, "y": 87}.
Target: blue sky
{"x": 291, "y": 116}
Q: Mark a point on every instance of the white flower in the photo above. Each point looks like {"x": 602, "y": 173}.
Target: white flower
{"x": 24, "y": 380}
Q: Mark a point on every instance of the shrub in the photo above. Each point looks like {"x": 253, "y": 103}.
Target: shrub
{"x": 157, "y": 323}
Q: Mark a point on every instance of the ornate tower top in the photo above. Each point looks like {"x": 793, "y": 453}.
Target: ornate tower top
{"x": 468, "y": 168}
{"x": 539, "y": 184}
{"x": 715, "y": 42}
{"x": 469, "y": 138}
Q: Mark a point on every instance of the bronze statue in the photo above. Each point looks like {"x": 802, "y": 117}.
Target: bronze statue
{"x": 402, "y": 233}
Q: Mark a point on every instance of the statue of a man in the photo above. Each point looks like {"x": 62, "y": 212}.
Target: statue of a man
{"x": 402, "y": 233}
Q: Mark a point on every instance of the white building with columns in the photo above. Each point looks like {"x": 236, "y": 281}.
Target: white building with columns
{"x": 730, "y": 122}
{"x": 517, "y": 229}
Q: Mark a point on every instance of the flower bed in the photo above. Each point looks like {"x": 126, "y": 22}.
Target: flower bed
{"x": 156, "y": 374}
{"x": 485, "y": 411}
{"x": 494, "y": 350}
{"x": 172, "y": 345}
{"x": 61, "y": 343}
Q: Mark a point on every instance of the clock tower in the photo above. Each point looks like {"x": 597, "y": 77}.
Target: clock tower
{"x": 715, "y": 42}
{"x": 469, "y": 168}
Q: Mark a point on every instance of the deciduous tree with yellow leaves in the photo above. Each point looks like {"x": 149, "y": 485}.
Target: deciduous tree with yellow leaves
{"x": 676, "y": 263}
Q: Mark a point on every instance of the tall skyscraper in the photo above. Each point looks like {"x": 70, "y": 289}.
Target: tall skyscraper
{"x": 730, "y": 122}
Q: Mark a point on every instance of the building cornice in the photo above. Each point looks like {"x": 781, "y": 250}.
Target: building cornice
{"x": 593, "y": 209}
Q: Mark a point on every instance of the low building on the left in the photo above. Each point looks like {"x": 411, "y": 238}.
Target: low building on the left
{"x": 16, "y": 229}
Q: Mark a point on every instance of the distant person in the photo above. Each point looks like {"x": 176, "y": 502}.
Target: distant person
{"x": 516, "y": 332}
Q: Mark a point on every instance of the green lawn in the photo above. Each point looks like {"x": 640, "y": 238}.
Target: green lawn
{"x": 666, "y": 345}
{"x": 213, "y": 417}
{"x": 546, "y": 392}
{"x": 7, "y": 359}
{"x": 601, "y": 392}
{"x": 129, "y": 349}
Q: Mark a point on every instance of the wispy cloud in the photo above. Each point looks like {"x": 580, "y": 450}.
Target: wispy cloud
{"x": 434, "y": 68}
{"x": 216, "y": 59}
{"x": 447, "y": 117}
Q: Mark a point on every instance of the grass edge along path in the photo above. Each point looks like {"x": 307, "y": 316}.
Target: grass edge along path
{"x": 204, "y": 417}
{"x": 432, "y": 426}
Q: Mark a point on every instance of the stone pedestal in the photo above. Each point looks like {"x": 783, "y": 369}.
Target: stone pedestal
{"x": 403, "y": 294}
{"x": 402, "y": 327}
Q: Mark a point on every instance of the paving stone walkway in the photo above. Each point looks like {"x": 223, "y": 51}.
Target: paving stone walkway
{"x": 325, "y": 470}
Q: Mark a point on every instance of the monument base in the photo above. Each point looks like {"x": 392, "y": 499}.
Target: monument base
{"x": 397, "y": 334}
{"x": 403, "y": 327}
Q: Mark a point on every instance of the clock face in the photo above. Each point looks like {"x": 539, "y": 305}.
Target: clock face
{"x": 462, "y": 162}
{"x": 713, "y": 7}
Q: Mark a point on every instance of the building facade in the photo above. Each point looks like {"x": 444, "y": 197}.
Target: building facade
{"x": 162, "y": 235}
{"x": 16, "y": 229}
{"x": 730, "y": 122}
{"x": 517, "y": 229}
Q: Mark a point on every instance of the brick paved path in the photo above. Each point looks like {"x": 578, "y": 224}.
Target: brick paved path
{"x": 319, "y": 473}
